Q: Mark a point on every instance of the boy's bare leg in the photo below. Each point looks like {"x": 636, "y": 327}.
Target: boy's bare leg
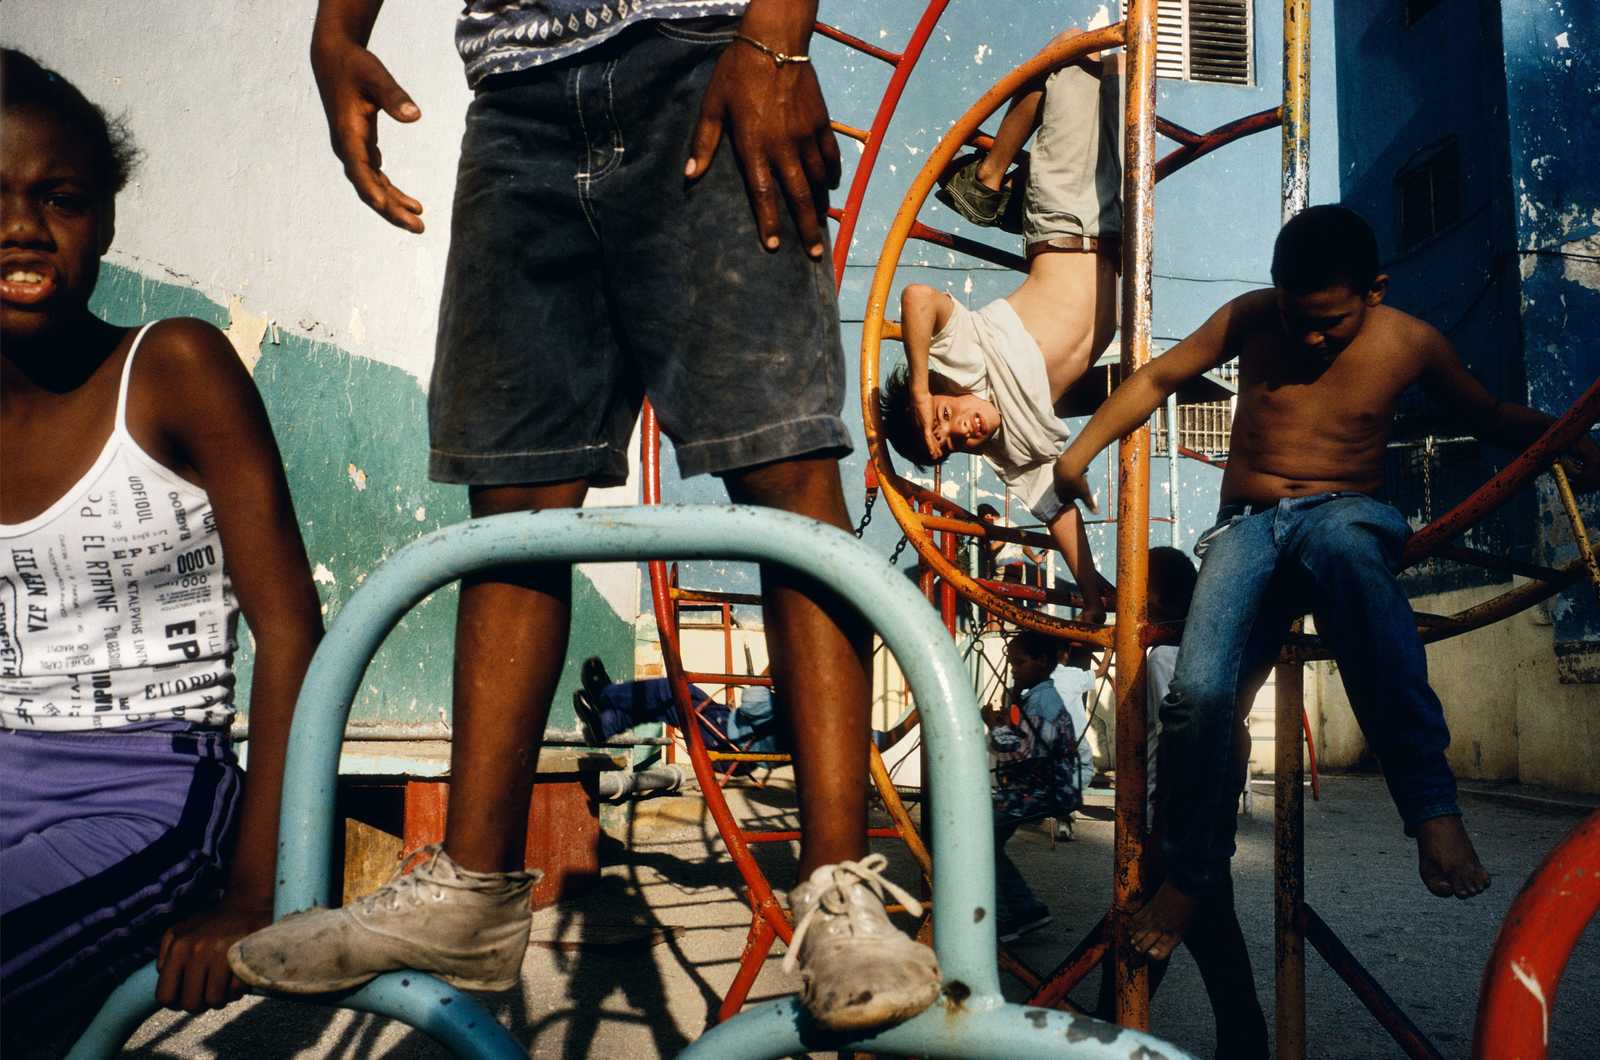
{"x": 1446, "y": 859}
{"x": 1163, "y": 922}
{"x": 511, "y": 640}
{"x": 818, "y": 652}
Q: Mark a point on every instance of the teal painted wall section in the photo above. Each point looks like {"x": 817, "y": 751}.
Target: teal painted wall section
{"x": 353, "y": 433}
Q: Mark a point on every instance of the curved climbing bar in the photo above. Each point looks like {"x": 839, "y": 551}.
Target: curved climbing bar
{"x": 1530, "y": 953}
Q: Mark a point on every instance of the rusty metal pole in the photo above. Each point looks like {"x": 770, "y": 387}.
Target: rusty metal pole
{"x": 1296, "y": 106}
{"x": 1288, "y": 862}
{"x": 1289, "y": 821}
{"x": 1133, "y": 510}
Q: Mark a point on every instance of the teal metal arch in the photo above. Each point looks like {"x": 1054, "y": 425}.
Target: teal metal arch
{"x": 972, "y": 1018}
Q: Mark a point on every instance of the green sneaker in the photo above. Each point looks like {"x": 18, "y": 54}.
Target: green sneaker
{"x": 964, "y": 193}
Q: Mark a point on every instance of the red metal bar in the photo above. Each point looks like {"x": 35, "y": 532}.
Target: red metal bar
{"x": 762, "y": 899}
{"x": 1531, "y": 951}
{"x": 947, "y": 591}
{"x": 903, "y": 65}
{"x": 757, "y": 944}
{"x": 696, "y": 677}
{"x": 702, "y": 596}
{"x": 1368, "y": 990}
{"x": 1195, "y": 146}
{"x": 835, "y": 33}
{"x": 1493, "y": 561}
{"x": 980, "y": 529}
{"x": 1088, "y": 953}
{"x": 1311, "y": 758}
{"x": 971, "y": 247}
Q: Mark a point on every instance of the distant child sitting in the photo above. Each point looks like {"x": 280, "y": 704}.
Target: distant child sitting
{"x": 142, "y": 507}
{"x": 991, "y": 381}
{"x": 1322, "y": 363}
{"x": 1038, "y": 773}
{"x": 606, "y": 708}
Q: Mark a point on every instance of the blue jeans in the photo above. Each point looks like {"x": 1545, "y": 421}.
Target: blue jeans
{"x": 1334, "y": 555}
{"x": 751, "y": 728}
{"x": 585, "y": 273}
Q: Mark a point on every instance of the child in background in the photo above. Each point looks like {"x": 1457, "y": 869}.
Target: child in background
{"x": 143, "y": 506}
{"x": 1038, "y": 773}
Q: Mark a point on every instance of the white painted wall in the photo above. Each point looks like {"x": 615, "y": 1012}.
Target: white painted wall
{"x": 239, "y": 194}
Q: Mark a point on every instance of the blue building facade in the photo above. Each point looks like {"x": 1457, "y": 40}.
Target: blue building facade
{"x": 1468, "y": 134}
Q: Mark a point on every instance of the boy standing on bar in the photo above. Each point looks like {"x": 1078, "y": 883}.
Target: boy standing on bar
{"x": 603, "y": 249}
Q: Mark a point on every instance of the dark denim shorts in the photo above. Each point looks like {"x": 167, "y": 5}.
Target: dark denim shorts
{"x": 585, "y": 273}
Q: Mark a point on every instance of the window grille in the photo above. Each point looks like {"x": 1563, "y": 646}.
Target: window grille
{"x": 1204, "y": 40}
{"x": 1202, "y": 428}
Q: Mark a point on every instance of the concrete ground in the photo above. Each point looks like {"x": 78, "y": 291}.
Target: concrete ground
{"x": 633, "y": 968}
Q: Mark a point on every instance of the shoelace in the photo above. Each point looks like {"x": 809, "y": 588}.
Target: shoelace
{"x": 835, "y": 900}
{"x": 405, "y": 880}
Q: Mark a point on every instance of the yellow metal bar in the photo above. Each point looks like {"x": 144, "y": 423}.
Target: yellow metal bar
{"x": 1296, "y": 106}
{"x": 1570, "y": 502}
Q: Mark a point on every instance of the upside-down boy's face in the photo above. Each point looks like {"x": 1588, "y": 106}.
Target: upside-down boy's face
{"x": 962, "y": 423}
{"x": 54, "y": 222}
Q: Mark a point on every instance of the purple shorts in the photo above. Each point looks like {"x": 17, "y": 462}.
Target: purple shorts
{"x": 106, "y": 839}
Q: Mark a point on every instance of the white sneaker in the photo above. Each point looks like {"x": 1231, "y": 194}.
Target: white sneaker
{"x": 468, "y": 928}
{"x": 857, "y": 970}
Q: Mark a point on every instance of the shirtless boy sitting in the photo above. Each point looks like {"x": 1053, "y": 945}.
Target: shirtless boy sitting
{"x": 1322, "y": 363}
{"x": 989, "y": 381}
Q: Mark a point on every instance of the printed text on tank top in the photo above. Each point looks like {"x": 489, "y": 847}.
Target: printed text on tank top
{"x": 115, "y": 603}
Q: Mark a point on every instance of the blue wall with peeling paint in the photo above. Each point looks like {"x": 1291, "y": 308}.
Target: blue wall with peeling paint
{"x": 1515, "y": 283}
{"x": 1215, "y": 221}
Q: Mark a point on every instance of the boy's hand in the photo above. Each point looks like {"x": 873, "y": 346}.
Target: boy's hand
{"x": 193, "y": 960}
{"x": 922, "y": 409}
{"x": 775, "y": 116}
{"x": 355, "y": 85}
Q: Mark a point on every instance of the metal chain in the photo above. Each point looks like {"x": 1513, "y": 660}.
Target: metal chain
{"x": 866, "y": 516}
{"x": 894, "y": 557}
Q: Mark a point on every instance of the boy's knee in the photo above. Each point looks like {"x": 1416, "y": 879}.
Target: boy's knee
{"x": 919, "y": 297}
{"x": 1183, "y": 710}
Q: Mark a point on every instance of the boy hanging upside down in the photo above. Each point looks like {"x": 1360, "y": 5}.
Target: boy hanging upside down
{"x": 1322, "y": 363}
{"x": 990, "y": 381}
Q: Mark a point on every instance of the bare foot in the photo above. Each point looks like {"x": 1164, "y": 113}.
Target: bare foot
{"x": 1446, "y": 860}
{"x": 1157, "y": 929}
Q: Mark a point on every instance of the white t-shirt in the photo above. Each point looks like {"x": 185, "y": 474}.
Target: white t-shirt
{"x": 1073, "y": 685}
{"x": 989, "y": 352}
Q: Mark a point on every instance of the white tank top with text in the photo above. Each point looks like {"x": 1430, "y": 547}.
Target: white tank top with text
{"x": 115, "y": 605}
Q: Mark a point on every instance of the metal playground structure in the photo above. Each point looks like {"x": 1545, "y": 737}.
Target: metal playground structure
{"x": 972, "y": 1018}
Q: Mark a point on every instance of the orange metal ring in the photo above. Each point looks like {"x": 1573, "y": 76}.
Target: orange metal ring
{"x": 873, "y": 333}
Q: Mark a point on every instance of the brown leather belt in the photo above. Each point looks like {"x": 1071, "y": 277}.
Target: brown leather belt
{"x": 1108, "y": 245}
